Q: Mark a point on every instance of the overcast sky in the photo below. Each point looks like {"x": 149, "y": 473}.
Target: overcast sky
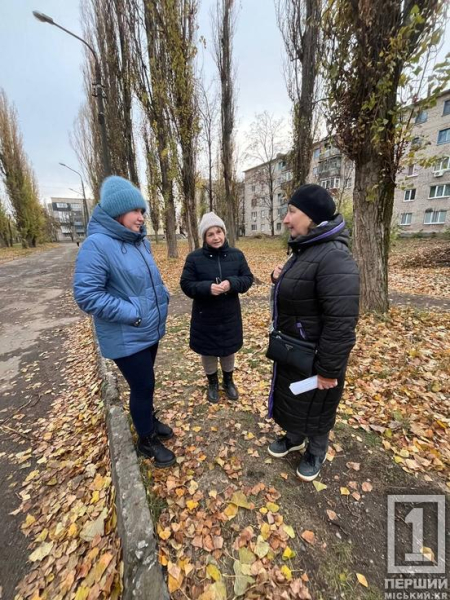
{"x": 40, "y": 71}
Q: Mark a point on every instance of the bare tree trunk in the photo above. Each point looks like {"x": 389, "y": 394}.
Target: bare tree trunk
{"x": 371, "y": 220}
{"x": 224, "y": 63}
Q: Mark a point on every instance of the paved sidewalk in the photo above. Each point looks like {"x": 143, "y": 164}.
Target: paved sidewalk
{"x": 35, "y": 308}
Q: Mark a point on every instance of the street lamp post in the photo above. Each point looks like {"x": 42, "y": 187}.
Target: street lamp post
{"x": 85, "y": 206}
{"x": 98, "y": 90}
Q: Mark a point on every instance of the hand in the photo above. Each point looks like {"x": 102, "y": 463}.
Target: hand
{"x": 326, "y": 384}
{"x": 216, "y": 289}
{"x": 225, "y": 285}
{"x": 277, "y": 272}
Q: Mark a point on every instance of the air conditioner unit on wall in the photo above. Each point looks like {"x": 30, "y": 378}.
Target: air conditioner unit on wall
{"x": 438, "y": 173}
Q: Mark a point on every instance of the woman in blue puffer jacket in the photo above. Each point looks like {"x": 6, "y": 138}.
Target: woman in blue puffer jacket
{"x": 117, "y": 281}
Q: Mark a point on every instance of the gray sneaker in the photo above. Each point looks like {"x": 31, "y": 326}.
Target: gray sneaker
{"x": 282, "y": 446}
{"x": 309, "y": 466}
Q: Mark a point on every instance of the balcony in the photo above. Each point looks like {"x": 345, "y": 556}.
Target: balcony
{"x": 334, "y": 171}
{"x": 329, "y": 153}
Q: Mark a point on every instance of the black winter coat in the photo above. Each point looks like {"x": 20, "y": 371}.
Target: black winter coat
{"x": 216, "y": 322}
{"x": 316, "y": 298}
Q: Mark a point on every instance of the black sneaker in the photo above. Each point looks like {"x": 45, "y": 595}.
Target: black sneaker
{"x": 151, "y": 447}
{"x": 282, "y": 446}
{"x": 163, "y": 431}
{"x": 309, "y": 466}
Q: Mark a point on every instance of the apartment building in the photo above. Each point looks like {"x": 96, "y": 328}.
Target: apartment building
{"x": 422, "y": 197}
{"x": 69, "y": 214}
{"x": 263, "y": 214}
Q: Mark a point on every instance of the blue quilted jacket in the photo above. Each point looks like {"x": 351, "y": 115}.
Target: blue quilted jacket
{"x": 117, "y": 281}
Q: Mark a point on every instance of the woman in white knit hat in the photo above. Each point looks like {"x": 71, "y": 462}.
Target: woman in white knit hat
{"x": 214, "y": 276}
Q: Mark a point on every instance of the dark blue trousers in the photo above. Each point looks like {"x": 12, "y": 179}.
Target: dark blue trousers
{"x": 138, "y": 370}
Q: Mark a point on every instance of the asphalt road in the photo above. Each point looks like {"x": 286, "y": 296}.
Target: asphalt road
{"x": 35, "y": 309}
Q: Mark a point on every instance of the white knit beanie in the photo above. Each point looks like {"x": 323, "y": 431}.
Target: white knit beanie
{"x": 210, "y": 220}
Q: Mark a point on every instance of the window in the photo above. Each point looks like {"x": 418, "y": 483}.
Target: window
{"x": 315, "y": 171}
{"x": 254, "y": 202}
{"x": 348, "y": 182}
{"x": 337, "y": 182}
{"x": 416, "y": 141}
{"x": 282, "y": 212}
{"x": 412, "y": 171}
{"x": 281, "y": 164}
{"x": 405, "y": 218}
{"x": 421, "y": 117}
{"x": 253, "y": 227}
{"x": 442, "y": 165}
{"x": 288, "y": 175}
{"x": 410, "y": 195}
{"x": 254, "y": 215}
{"x": 263, "y": 214}
{"x": 316, "y": 153}
{"x": 434, "y": 217}
{"x": 253, "y": 188}
{"x": 443, "y": 136}
{"x": 278, "y": 226}
{"x": 446, "y": 110}
{"x": 76, "y": 206}
{"x": 61, "y": 205}
{"x": 440, "y": 191}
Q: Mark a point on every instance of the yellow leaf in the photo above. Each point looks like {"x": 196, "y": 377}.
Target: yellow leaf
{"x": 82, "y": 593}
{"x": 73, "y": 530}
{"x": 273, "y": 507}
{"x": 42, "y": 536}
{"x": 362, "y": 580}
{"x": 319, "y": 486}
{"x": 216, "y": 591}
{"x": 262, "y": 547}
{"x": 240, "y": 499}
{"x": 196, "y": 429}
{"x": 428, "y": 553}
{"x": 191, "y": 504}
{"x": 265, "y": 531}
{"x": 231, "y": 511}
{"x": 174, "y": 584}
{"x": 95, "y": 497}
{"x": 249, "y": 436}
{"x": 263, "y": 510}
{"x": 286, "y": 572}
{"x": 164, "y": 534}
{"x": 214, "y": 572}
{"x": 289, "y": 530}
{"x": 41, "y": 552}
{"x": 345, "y": 491}
{"x": 29, "y": 521}
{"x": 288, "y": 553}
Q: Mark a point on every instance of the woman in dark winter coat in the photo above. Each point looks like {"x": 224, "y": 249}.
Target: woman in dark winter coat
{"x": 117, "y": 281}
{"x": 316, "y": 298}
{"x": 214, "y": 276}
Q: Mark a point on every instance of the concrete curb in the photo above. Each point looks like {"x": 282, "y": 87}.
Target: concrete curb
{"x": 142, "y": 578}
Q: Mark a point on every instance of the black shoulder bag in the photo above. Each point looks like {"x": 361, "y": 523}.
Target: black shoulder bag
{"x": 292, "y": 352}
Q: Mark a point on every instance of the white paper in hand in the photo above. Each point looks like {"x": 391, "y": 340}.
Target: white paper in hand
{"x": 305, "y": 385}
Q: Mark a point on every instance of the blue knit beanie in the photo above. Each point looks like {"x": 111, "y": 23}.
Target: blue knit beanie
{"x": 118, "y": 196}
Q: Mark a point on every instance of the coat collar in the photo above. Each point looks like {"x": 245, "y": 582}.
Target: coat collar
{"x": 216, "y": 251}
{"x": 333, "y": 230}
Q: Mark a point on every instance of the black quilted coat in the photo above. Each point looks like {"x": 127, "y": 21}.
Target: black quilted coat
{"x": 316, "y": 298}
{"x": 216, "y": 322}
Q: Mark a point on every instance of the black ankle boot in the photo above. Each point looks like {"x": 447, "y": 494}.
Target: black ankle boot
{"x": 151, "y": 447}
{"x": 163, "y": 431}
{"x": 229, "y": 387}
{"x": 213, "y": 388}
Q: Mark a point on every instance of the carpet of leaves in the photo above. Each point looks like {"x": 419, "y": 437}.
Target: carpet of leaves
{"x": 420, "y": 266}
{"x": 223, "y": 536}
{"x": 68, "y": 497}
{"x": 8, "y": 254}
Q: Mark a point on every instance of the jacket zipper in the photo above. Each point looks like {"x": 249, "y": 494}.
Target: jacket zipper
{"x": 220, "y": 267}
{"x": 153, "y": 286}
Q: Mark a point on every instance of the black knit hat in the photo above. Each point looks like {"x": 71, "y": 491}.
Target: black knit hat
{"x": 315, "y": 201}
